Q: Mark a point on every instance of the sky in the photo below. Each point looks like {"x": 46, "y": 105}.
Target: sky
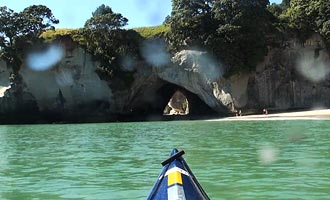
{"x": 74, "y": 13}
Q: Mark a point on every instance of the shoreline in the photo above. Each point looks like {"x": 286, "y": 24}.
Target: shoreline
{"x": 322, "y": 114}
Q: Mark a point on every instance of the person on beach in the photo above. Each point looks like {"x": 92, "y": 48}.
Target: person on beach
{"x": 238, "y": 112}
{"x": 265, "y": 111}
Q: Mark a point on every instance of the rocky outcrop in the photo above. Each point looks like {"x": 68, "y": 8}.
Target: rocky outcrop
{"x": 68, "y": 84}
{"x": 4, "y": 78}
{"x": 198, "y": 73}
{"x": 294, "y": 76}
{"x": 56, "y": 92}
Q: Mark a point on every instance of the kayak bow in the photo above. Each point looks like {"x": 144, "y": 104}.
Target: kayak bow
{"x": 176, "y": 181}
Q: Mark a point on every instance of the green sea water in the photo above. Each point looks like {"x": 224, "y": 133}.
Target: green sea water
{"x": 231, "y": 160}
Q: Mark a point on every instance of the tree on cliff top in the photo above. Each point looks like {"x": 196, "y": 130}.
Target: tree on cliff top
{"x": 190, "y": 23}
{"x": 103, "y": 33}
{"x": 106, "y": 39}
{"x": 279, "y": 10}
{"x": 105, "y": 19}
{"x": 19, "y": 29}
{"x": 17, "y": 32}
{"x": 234, "y": 30}
{"x": 240, "y": 38}
{"x": 310, "y": 16}
{"x": 302, "y": 15}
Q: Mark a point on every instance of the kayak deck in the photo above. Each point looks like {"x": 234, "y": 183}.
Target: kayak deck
{"x": 176, "y": 181}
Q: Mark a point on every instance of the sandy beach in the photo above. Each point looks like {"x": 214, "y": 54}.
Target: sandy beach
{"x": 302, "y": 115}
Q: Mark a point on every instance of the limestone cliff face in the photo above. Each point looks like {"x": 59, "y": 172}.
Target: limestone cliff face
{"x": 72, "y": 82}
{"x": 198, "y": 73}
{"x": 4, "y": 78}
{"x": 69, "y": 89}
{"x": 295, "y": 76}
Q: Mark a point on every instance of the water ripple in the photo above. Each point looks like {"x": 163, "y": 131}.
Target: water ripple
{"x": 122, "y": 160}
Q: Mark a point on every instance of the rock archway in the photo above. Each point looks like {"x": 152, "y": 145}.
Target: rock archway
{"x": 177, "y": 105}
{"x": 195, "y": 106}
{"x": 151, "y": 103}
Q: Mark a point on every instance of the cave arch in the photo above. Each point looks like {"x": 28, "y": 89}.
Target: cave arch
{"x": 178, "y": 105}
{"x": 197, "y": 107}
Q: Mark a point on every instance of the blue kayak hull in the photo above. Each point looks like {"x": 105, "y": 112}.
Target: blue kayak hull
{"x": 176, "y": 181}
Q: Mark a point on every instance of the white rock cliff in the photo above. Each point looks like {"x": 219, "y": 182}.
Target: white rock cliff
{"x": 296, "y": 75}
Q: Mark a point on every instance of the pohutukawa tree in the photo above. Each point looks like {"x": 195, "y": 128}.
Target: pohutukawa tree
{"x": 191, "y": 23}
{"x": 310, "y": 16}
{"x": 234, "y": 30}
{"x": 105, "y": 19}
{"x": 242, "y": 26}
{"x": 17, "y": 30}
{"x": 107, "y": 40}
{"x": 103, "y": 31}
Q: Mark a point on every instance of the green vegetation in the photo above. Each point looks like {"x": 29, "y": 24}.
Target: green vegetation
{"x": 145, "y": 32}
{"x": 51, "y": 35}
{"x": 75, "y": 34}
{"x": 233, "y": 30}
{"x": 241, "y": 29}
{"x": 154, "y": 31}
{"x": 237, "y": 32}
{"x": 19, "y": 30}
{"x": 191, "y": 23}
{"x": 311, "y": 16}
{"x": 104, "y": 38}
{"x": 110, "y": 44}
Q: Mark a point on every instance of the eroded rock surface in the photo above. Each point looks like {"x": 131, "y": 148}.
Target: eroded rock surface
{"x": 198, "y": 73}
{"x": 295, "y": 75}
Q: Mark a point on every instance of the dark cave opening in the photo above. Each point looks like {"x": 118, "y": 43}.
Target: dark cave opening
{"x": 188, "y": 103}
{"x": 154, "y": 102}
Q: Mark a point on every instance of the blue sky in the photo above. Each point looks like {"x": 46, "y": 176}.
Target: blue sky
{"x": 74, "y": 13}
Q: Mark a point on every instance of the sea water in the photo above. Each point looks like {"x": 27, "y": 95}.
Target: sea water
{"x": 231, "y": 160}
